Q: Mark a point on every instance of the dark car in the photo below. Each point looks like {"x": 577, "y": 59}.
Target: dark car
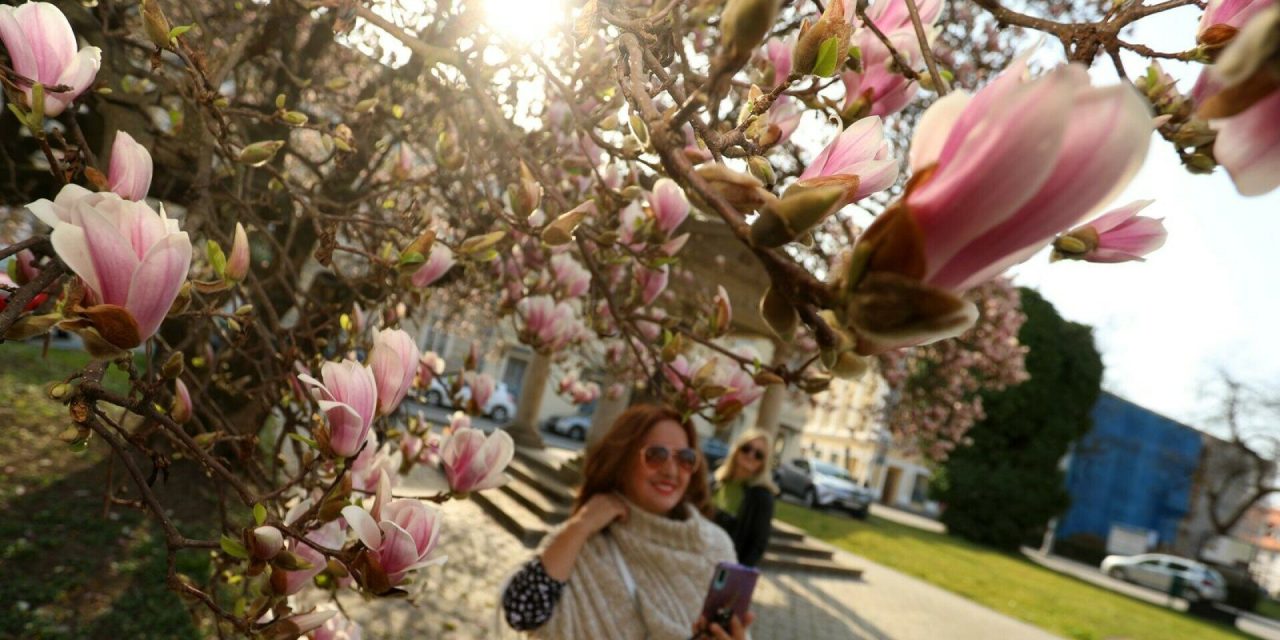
{"x": 714, "y": 450}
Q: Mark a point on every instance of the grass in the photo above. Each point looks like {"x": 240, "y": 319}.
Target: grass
{"x": 69, "y": 570}
{"x": 1269, "y": 608}
{"x": 1006, "y": 583}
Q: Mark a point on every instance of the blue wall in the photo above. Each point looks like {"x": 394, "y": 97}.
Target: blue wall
{"x": 1135, "y": 467}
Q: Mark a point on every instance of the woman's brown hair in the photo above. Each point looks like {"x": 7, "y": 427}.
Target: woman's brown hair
{"x": 610, "y": 459}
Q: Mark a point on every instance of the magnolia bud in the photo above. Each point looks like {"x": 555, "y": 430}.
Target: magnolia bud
{"x": 560, "y": 231}
{"x": 264, "y": 543}
{"x": 821, "y": 48}
{"x": 260, "y": 153}
{"x": 180, "y": 411}
{"x": 798, "y": 211}
{"x": 744, "y": 24}
{"x": 760, "y": 167}
{"x": 173, "y": 366}
{"x": 527, "y": 195}
{"x": 156, "y": 24}
{"x": 238, "y": 262}
{"x": 744, "y": 192}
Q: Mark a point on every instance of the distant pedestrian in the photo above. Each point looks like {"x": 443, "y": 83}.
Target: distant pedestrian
{"x": 743, "y": 496}
{"x": 636, "y": 557}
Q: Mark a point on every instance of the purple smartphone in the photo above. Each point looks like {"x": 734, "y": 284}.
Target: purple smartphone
{"x": 730, "y": 593}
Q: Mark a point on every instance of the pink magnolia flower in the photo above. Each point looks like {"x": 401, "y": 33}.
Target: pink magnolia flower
{"x": 430, "y": 365}
{"x": 785, "y": 114}
{"x": 879, "y": 90}
{"x": 652, "y": 282}
{"x": 238, "y": 261}
{"x": 127, "y": 254}
{"x": 651, "y": 330}
{"x": 1239, "y": 93}
{"x": 893, "y": 15}
{"x": 329, "y": 536}
{"x": 373, "y": 464}
{"x": 474, "y": 462}
{"x": 400, "y": 533}
{"x": 630, "y": 221}
{"x": 669, "y": 205}
{"x": 674, "y": 245}
{"x": 742, "y": 388}
{"x": 438, "y": 263}
{"x": 859, "y": 157}
{"x": 459, "y": 420}
{"x": 394, "y": 360}
{"x": 348, "y": 397}
{"x": 548, "y": 325}
{"x": 1010, "y": 167}
{"x": 1117, "y": 236}
{"x": 267, "y": 541}
{"x": 339, "y": 627}
{"x": 572, "y": 279}
{"x": 1227, "y": 13}
{"x": 584, "y": 392}
{"x": 778, "y": 51}
{"x": 129, "y": 173}
{"x": 997, "y": 176}
{"x": 42, "y": 48}
{"x": 482, "y": 386}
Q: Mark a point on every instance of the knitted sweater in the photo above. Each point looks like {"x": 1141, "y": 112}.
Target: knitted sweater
{"x": 671, "y": 562}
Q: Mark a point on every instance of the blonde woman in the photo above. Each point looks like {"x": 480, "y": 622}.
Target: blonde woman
{"x": 743, "y": 497}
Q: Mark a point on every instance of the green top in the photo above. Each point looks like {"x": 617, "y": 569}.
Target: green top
{"x": 728, "y": 496}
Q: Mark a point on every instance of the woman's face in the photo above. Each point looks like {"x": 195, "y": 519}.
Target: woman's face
{"x": 657, "y": 487}
{"x": 750, "y": 458}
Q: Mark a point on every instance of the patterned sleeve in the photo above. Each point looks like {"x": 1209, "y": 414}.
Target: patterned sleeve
{"x": 531, "y": 596}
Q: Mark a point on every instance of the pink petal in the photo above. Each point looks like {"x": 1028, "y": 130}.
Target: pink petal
{"x": 114, "y": 260}
{"x": 1248, "y": 145}
{"x": 78, "y": 76}
{"x": 157, "y": 281}
{"x": 15, "y": 42}
{"x": 1106, "y": 140}
{"x": 861, "y": 141}
{"x": 130, "y": 170}
{"x": 363, "y": 524}
{"x": 53, "y": 44}
{"x": 934, "y": 128}
{"x": 1116, "y": 217}
{"x": 1006, "y": 157}
{"x": 1138, "y": 237}
{"x": 398, "y": 551}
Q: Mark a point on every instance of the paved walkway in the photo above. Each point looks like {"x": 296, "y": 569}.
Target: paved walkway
{"x": 460, "y": 598}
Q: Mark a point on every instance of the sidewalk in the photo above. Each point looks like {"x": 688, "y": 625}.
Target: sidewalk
{"x": 460, "y": 598}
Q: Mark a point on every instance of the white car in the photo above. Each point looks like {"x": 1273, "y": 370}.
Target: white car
{"x": 575, "y": 426}
{"x": 1157, "y": 570}
{"x": 500, "y": 408}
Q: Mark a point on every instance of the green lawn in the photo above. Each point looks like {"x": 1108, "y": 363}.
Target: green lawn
{"x": 1269, "y": 608}
{"x": 69, "y": 571}
{"x": 1006, "y": 583}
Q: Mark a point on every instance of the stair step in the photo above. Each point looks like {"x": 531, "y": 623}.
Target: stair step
{"x": 784, "y": 531}
{"x": 829, "y": 567}
{"x": 788, "y": 548}
{"x": 512, "y": 515}
{"x": 550, "y": 512}
{"x": 549, "y": 486}
{"x": 552, "y": 468}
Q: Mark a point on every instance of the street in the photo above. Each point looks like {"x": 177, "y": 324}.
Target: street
{"x": 440, "y": 416}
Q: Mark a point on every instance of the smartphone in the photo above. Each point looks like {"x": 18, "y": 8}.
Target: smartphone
{"x": 730, "y": 593}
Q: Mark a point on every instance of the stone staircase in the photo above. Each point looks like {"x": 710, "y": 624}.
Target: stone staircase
{"x": 541, "y": 492}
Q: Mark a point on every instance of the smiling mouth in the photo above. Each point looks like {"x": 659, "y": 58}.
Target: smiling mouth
{"x": 664, "y": 488}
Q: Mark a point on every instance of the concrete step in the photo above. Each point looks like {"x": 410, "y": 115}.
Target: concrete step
{"x": 797, "y": 563}
{"x": 785, "y": 532}
{"x": 799, "y": 549}
{"x": 548, "y": 511}
{"x": 512, "y": 515}
{"x": 544, "y": 463}
{"x": 548, "y": 485}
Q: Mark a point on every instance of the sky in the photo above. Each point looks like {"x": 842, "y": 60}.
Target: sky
{"x": 1206, "y": 301}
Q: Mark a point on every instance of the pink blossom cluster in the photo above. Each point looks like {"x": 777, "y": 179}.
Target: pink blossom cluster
{"x": 578, "y": 391}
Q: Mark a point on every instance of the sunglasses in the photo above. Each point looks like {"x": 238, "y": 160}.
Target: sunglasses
{"x": 752, "y": 451}
{"x": 656, "y": 457}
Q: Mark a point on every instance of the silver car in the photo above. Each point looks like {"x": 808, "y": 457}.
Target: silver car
{"x": 824, "y": 485}
{"x": 1157, "y": 570}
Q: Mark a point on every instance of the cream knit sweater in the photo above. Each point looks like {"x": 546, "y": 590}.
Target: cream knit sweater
{"x": 671, "y": 561}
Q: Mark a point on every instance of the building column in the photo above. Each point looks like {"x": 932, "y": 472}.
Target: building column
{"x": 524, "y": 428}
{"x": 770, "y": 411}
{"x": 608, "y": 410}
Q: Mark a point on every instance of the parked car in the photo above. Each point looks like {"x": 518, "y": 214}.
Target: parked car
{"x": 1157, "y": 570}
{"x": 714, "y": 450}
{"x": 575, "y": 426}
{"x": 500, "y": 408}
{"x": 824, "y": 485}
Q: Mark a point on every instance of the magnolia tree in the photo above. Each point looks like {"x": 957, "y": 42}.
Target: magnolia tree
{"x": 241, "y": 207}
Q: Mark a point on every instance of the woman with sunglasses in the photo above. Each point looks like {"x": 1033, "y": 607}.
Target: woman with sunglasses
{"x": 635, "y": 558}
{"x": 744, "y": 494}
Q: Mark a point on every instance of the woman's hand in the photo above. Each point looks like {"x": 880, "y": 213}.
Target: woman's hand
{"x": 737, "y": 629}
{"x": 599, "y": 512}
